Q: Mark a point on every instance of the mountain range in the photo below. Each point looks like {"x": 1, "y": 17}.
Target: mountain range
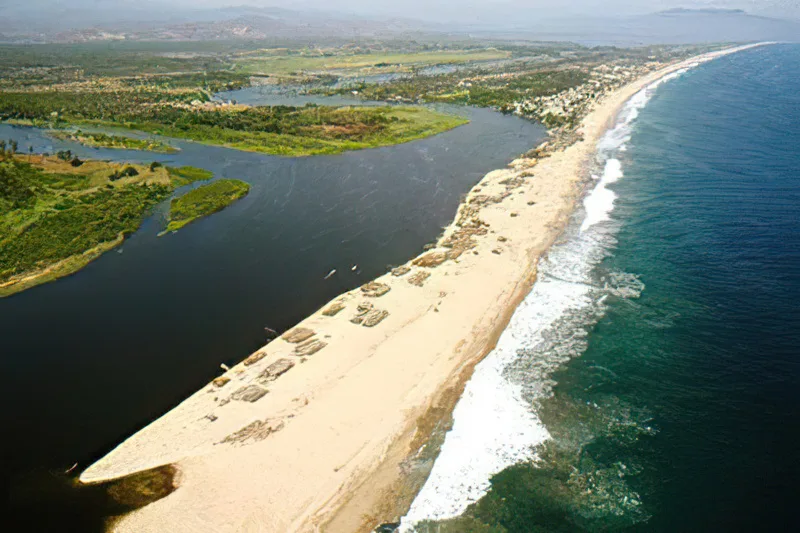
{"x": 149, "y": 21}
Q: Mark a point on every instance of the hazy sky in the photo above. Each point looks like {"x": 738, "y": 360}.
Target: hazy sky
{"x": 462, "y": 8}
{"x": 433, "y": 10}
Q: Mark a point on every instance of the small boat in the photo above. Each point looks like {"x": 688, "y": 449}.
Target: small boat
{"x": 331, "y": 273}
{"x": 354, "y": 267}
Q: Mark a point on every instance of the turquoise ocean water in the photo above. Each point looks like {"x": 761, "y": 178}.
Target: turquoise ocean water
{"x": 651, "y": 381}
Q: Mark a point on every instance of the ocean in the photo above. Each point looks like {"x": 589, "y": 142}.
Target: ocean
{"x": 651, "y": 380}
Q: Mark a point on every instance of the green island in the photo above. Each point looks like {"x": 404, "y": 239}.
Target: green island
{"x": 103, "y": 140}
{"x": 277, "y": 130}
{"x": 185, "y": 175}
{"x": 300, "y": 131}
{"x": 204, "y": 201}
{"x": 58, "y": 213}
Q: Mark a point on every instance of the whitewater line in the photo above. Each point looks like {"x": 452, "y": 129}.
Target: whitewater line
{"x": 494, "y": 426}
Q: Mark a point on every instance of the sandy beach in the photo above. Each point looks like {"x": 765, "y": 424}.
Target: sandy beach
{"x": 310, "y": 432}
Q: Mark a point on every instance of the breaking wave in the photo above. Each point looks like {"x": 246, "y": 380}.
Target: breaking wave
{"x": 495, "y": 423}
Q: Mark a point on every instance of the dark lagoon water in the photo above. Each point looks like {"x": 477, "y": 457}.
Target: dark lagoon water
{"x": 660, "y": 349}
{"x": 93, "y": 357}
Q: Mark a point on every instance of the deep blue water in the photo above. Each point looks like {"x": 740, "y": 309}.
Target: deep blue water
{"x": 678, "y": 406}
{"x": 710, "y": 216}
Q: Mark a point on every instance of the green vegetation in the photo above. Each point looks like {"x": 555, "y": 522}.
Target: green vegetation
{"x": 167, "y": 89}
{"x": 490, "y": 91}
{"x": 279, "y": 130}
{"x": 102, "y": 140}
{"x": 56, "y": 216}
{"x": 310, "y": 130}
{"x": 552, "y": 84}
{"x": 204, "y": 201}
{"x": 136, "y": 63}
{"x": 115, "y": 107}
{"x": 283, "y": 62}
{"x": 184, "y": 175}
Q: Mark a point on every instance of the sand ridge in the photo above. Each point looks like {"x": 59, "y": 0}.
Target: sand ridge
{"x": 282, "y": 441}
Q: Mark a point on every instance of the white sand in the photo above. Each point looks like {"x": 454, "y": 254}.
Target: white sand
{"x": 346, "y": 416}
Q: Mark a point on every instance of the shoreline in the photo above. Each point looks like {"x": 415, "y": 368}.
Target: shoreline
{"x": 294, "y": 145}
{"x": 328, "y": 414}
{"x": 61, "y": 269}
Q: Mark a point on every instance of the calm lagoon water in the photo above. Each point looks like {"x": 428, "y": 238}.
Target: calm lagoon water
{"x": 93, "y": 357}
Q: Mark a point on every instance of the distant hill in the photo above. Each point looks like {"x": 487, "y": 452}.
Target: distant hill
{"x": 704, "y": 11}
{"x": 674, "y": 26}
{"x": 712, "y": 25}
{"x": 148, "y": 20}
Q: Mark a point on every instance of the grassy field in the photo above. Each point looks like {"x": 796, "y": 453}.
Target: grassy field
{"x": 204, "y": 201}
{"x": 279, "y": 130}
{"x": 281, "y": 64}
{"x": 102, "y": 140}
{"x": 184, "y": 175}
{"x": 56, "y": 217}
{"x": 59, "y": 213}
{"x": 315, "y": 130}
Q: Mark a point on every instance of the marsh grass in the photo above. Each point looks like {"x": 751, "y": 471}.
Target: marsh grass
{"x": 103, "y": 140}
{"x": 56, "y": 218}
{"x": 310, "y": 130}
{"x": 185, "y": 175}
{"x": 204, "y": 201}
{"x": 277, "y": 130}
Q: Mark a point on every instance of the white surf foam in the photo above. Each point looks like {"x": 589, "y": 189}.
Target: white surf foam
{"x": 494, "y": 425}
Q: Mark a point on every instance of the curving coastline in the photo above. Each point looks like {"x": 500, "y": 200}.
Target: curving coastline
{"x": 322, "y": 447}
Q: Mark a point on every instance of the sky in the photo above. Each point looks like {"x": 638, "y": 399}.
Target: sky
{"x": 455, "y": 9}
{"x": 458, "y": 8}
{"x": 494, "y": 12}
